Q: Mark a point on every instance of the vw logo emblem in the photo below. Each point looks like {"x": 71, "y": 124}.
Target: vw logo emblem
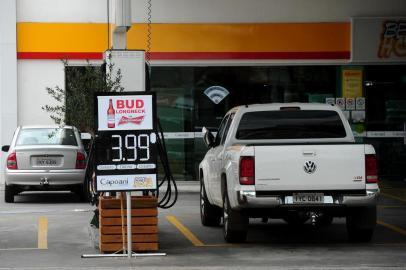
{"x": 310, "y": 167}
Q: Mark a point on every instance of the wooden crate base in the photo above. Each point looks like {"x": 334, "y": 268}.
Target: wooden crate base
{"x": 144, "y": 224}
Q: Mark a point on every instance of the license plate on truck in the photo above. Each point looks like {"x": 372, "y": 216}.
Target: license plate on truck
{"x": 308, "y": 198}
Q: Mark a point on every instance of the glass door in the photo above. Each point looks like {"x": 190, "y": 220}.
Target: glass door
{"x": 385, "y": 92}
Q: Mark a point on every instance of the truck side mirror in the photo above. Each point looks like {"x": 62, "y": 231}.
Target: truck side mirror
{"x": 208, "y": 137}
{"x": 5, "y": 148}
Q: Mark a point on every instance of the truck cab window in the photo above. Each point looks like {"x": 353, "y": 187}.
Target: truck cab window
{"x": 230, "y": 120}
{"x": 221, "y": 130}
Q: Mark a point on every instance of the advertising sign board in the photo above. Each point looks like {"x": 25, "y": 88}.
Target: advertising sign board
{"x": 126, "y": 142}
{"x": 378, "y": 39}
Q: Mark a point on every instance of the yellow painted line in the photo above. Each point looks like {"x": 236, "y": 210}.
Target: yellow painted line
{"x": 390, "y": 244}
{"x": 190, "y": 236}
{"x": 392, "y": 227}
{"x": 43, "y": 233}
{"x": 16, "y": 249}
{"x": 391, "y": 206}
{"x": 185, "y": 231}
{"x": 393, "y": 197}
{"x": 221, "y": 245}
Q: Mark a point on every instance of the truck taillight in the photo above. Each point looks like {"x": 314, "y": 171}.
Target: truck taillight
{"x": 371, "y": 171}
{"x": 80, "y": 161}
{"x": 12, "y": 161}
{"x": 247, "y": 171}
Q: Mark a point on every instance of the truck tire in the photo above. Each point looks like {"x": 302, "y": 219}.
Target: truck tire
{"x": 361, "y": 223}
{"x": 9, "y": 193}
{"x": 235, "y": 223}
{"x": 210, "y": 215}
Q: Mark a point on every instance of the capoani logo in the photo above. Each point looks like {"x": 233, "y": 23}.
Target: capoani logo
{"x": 143, "y": 182}
{"x": 113, "y": 182}
{"x": 393, "y": 39}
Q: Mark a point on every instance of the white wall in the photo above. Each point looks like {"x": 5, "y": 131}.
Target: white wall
{"x": 62, "y": 11}
{"x": 185, "y": 11}
{"x": 8, "y": 76}
{"x": 198, "y": 11}
{"x": 33, "y": 77}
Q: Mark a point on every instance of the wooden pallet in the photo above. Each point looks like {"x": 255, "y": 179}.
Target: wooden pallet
{"x": 144, "y": 223}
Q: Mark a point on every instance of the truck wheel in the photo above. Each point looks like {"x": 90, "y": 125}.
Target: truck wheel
{"x": 9, "y": 193}
{"x": 235, "y": 223}
{"x": 210, "y": 215}
{"x": 361, "y": 223}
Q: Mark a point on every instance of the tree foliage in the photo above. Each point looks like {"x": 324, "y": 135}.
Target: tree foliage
{"x": 75, "y": 104}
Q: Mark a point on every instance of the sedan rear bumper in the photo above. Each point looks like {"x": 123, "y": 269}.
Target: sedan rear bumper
{"x": 44, "y": 177}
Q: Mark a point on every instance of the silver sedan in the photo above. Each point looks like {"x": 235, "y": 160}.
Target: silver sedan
{"x": 45, "y": 158}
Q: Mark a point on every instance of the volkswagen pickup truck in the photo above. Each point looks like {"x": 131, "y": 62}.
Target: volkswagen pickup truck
{"x": 290, "y": 161}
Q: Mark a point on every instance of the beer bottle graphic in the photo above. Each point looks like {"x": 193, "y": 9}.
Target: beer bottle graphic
{"x": 111, "y": 115}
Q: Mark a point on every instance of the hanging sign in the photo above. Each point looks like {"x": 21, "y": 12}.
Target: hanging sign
{"x": 352, "y": 83}
{"x": 126, "y": 142}
{"x": 360, "y": 103}
{"x": 350, "y": 104}
{"x": 340, "y": 102}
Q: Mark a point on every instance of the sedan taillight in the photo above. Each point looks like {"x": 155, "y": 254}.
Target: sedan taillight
{"x": 247, "y": 171}
{"x": 12, "y": 161}
{"x": 80, "y": 161}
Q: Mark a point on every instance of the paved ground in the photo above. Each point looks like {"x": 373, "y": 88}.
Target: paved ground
{"x": 50, "y": 231}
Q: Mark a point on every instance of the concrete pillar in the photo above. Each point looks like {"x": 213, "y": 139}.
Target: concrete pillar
{"x": 122, "y": 23}
{"x": 8, "y": 76}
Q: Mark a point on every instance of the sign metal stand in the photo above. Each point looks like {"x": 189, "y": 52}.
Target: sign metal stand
{"x": 121, "y": 167}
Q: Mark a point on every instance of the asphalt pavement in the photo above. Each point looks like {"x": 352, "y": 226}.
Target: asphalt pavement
{"x": 51, "y": 231}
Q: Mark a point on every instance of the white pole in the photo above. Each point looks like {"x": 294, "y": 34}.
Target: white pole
{"x": 129, "y": 233}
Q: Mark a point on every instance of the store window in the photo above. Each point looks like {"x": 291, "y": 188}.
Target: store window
{"x": 190, "y": 98}
{"x": 385, "y": 93}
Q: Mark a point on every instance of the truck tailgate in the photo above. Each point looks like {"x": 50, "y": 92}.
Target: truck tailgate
{"x": 310, "y": 167}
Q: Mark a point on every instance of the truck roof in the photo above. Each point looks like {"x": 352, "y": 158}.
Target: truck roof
{"x": 278, "y": 106}
{"x": 241, "y": 110}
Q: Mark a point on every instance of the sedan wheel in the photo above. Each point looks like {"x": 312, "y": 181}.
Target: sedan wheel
{"x": 9, "y": 193}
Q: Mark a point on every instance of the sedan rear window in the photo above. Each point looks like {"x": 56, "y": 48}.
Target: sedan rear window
{"x": 295, "y": 124}
{"x": 46, "y": 136}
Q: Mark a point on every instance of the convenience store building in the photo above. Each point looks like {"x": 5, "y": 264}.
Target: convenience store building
{"x": 349, "y": 52}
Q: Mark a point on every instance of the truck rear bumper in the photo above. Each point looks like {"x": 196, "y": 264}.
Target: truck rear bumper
{"x": 249, "y": 199}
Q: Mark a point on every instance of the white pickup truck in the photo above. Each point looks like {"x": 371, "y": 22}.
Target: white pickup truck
{"x": 293, "y": 161}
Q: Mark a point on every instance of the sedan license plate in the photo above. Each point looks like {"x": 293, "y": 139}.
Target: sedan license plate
{"x": 46, "y": 162}
{"x": 308, "y": 198}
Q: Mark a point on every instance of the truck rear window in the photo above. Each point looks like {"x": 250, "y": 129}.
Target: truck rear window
{"x": 301, "y": 124}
